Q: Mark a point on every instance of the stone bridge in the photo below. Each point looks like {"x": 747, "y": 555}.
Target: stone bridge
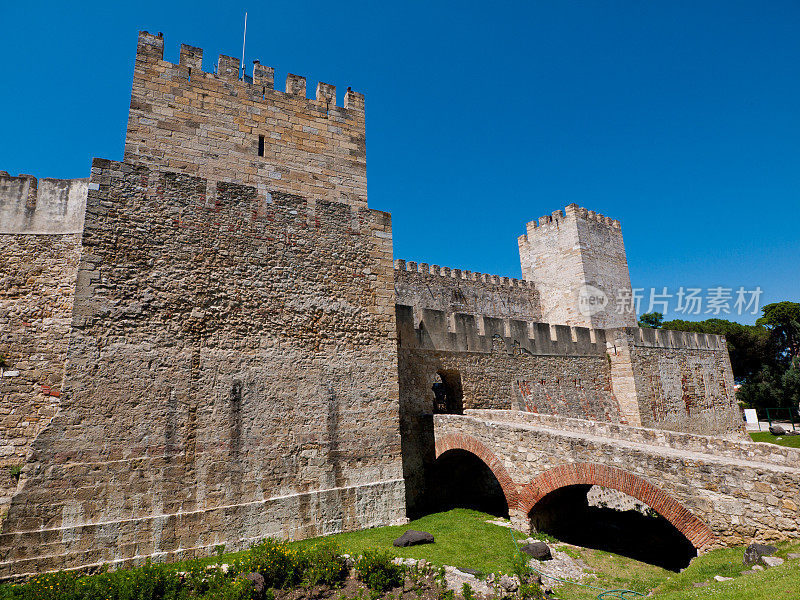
{"x": 716, "y": 492}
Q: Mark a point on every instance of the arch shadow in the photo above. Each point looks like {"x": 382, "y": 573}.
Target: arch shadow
{"x": 467, "y": 474}
{"x": 587, "y": 474}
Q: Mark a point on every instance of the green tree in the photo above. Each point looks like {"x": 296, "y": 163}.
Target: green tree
{"x": 782, "y": 319}
{"x": 654, "y": 320}
{"x": 775, "y": 386}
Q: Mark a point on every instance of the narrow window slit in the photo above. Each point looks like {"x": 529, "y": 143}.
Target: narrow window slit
{"x": 261, "y": 145}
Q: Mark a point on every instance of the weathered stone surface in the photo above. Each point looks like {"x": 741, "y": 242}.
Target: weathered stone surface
{"x": 219, "y": 127}
{"x": 456, "y": 578}
{"x": 40, "y": 232}
{"x": 537, "y": 550}
{"x": 412, "y": 538}
{"x": 215, "y": 393}
{"x": 509, "y": 584}
{"x": 772, "y": 561}
{"x": 754, "y": 552}
{"x": 777, "y": 430}
{"x": 431, "y": 287}
{"x": 209, "y": 342}
{"x": 573, "y": 251}
{"x": 258, "y": 581}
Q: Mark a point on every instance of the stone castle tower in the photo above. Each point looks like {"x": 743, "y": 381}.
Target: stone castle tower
{"x": 576, "y": 259}
{"x": 223, "y": 128}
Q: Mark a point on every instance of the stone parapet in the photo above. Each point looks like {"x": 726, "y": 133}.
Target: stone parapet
{"x": 456, "y": 332}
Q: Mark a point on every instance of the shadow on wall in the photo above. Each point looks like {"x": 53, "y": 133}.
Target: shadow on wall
{"x": 641, "y": 535}
{"x": 448, "y": 393}
{"x": 459, "y": 479}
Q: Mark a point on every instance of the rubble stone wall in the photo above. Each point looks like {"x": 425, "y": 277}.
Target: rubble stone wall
{"x": 231, "y": 375}
{"x": 511, "y": 364}
{"x": 424, "y": 286}
{"x": 40, "y": 236}
{"x": 678, "y": 380}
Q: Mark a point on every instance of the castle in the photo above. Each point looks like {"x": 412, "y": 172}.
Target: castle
{"x": 210, "y": 342}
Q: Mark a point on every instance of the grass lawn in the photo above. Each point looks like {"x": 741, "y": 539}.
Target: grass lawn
{"x": 465, "y": 539}
{"x": 777, "y": 582}
{"x": 790, "y": 441}
{"x": 613, "y": 572}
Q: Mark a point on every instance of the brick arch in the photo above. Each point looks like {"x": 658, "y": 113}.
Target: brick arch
{"x": 695, "y": 530}
{"x": 460, "y": 441}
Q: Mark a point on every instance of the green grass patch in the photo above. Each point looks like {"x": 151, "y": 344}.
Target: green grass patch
{"x": 776, "y": 582}
{"x": 789, "y": 441}
{"x": 613, "y": 572}
{"x": 463, "y": 539}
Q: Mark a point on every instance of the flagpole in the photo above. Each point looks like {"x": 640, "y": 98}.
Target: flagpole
{"x": 244, "y": 39}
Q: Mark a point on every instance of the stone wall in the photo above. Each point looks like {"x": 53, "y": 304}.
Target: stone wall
{"x": 732, "y": 448}
{"x": 40, "y": 225}
{"x": 424, "y": 286}
{"x": 714, "y": 499}
{"x": 577, "y": 256}
{"x": 217, "y": 126}
{"x": 511, "y": 364}
{"x": 679, "y": 380}
{"x": 232, "y": 375}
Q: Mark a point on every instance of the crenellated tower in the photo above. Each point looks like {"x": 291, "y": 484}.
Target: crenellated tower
{"x": 576, "y": 259}
{"x": 223, "y": 128}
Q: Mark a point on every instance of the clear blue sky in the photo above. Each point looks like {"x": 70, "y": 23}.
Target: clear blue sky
{"x": 680, "y": 118}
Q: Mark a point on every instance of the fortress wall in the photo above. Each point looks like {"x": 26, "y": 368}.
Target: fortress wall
{"x": 448, "y": 290}
{"x": 681, "y": 381}
{"x": 215, "y": 125}
{"x": 232, "y": 371}
{"x": 510, "y": 364}
{"x": 40, "y": 232}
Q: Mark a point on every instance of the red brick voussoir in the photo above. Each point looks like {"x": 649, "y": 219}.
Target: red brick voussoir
{"x": 460, "y": 441}
{"x": 695, "y": 530}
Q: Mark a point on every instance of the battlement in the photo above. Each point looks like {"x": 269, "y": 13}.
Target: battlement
{"x": 437, "y": 271}
{"x": 572, "y": 211}
{"x": 666, "y": 338}
{"x": 199, "y": 196}
{"x": 229, "y": 126}
{"x": 151, "y": 49}
{"x": 457, "y": 332}
{"x": 41, "y": 206}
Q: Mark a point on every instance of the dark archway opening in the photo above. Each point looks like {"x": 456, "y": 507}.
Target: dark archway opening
{"x": 629, "y": 529}
{"x": 459, "y": 479}
{"x": 448, "y": 396}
